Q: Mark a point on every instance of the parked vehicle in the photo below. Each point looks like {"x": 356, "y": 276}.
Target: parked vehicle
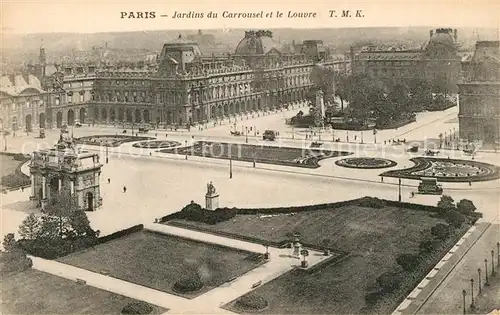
{"x": 41, "y": 133}
{"x": 235, "y": 133}
{"x": 78, "y": 125}
{"x": 429, "y": 186}
{"x": 143, "y": 130}
{"x": 316, "y": 144}
{"x": 413, "y": 148}
{"x": 269, "y": 135}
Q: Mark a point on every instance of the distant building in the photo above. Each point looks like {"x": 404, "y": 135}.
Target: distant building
{"x": 185, "y": 87}
{"x": 437, "y": 61}
{"x": 479, "y": 95}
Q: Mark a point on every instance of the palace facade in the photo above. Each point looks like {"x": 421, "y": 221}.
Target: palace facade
{"x": 436, "y": 61}
{"x": 184, "y": 88}
{"x": 479, "y": 95}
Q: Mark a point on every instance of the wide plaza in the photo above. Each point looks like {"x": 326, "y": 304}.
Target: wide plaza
{"x": 160, "y": 183}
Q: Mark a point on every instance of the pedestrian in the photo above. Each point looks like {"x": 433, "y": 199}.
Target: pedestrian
{"x": 470, "y": 183}
{"x": 382, "y": 179}
{"x": 109, "y": 180}
{"x": 124, "y": 189}
{"x": 412, "y": 194}
{"x": 166, "y": 135}
{"x": 149, "y": 153}
{"x": 107, "y": 160}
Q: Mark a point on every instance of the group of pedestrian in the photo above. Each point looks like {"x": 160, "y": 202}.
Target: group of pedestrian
{"x": 124, "y": 187}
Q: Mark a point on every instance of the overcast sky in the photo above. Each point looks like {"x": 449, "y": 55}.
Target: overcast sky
{"x": 41, "y": 16}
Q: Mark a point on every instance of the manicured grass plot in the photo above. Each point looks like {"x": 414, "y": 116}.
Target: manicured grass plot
{"x": 35, "y": 292}
{"x": 301, "y": 157}
{"x": 373, "y": 237}
{"x": 158, "y": 261}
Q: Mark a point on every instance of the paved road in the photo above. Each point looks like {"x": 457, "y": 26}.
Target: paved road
{"x": 447, "y": 299}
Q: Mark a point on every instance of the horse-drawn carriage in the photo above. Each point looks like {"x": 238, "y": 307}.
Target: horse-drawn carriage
{"x": 431, "y": 153}
{"x": 429, "y": 186}
{"x": 316, "y": 144}
{"x": 235, "y": 133}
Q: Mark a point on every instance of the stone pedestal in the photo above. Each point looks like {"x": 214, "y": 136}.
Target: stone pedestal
{"x": 211, "y": 201}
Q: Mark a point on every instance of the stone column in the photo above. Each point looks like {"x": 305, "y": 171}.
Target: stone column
{"x": 44, "y": 188}
{"x": 72, "y": 188}
{"x": 59, "y": 186}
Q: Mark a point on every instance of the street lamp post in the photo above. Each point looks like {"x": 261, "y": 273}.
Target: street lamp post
{"x": 186, "y": 142}
{"x": 464, "y": 293}
{"x": 230, "y": 167}
{"x": 399, "y": 190}
{"x": 293, "y": 134}
{"x": 492, "y": 263}
{"x": 498, "y": 254}
{"x": 246, "y": 134}
{"x": 107, "y": 153}
{"x": 472, "y": 294}
{"x": 486, "y": 271}
{"x": 362, "y": 141}
{"x": 479, "y": 280}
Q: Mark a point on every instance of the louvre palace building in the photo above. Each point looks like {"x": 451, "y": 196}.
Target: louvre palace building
{"x": 183, "y": 87}
{"x": 479, "y": 95}
{"x": 437, "y": 58}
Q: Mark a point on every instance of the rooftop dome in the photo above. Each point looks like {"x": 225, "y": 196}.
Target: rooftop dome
{"x": 442, "y": 37}
{"x": 256, "y": 43}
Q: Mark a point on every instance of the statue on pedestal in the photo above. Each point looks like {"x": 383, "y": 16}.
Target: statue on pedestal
{"x": 211, "y": 189}
{"x": 211, "y": 197}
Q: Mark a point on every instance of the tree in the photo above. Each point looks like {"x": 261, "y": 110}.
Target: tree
{"x": 80, "y": 224}
{"x": 421, "y": 94}
{"x": 30, "y": 227}
{"x": 446, "y": 203}
{"x": 389, "y": 281}
{"x": 441, "y": 231}
{"x": 9, "y": 242}
{"x": 398, "y": 96}
{"x": 340, "y": 88}
{"x": 466, "y": 206}
{"x": 61, "y": 206}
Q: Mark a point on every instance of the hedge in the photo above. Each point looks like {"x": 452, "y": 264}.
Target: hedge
{"x": 121, "y": 233}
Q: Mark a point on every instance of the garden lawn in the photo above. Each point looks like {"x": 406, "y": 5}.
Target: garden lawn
{"x": 305, "y": 157}
{"x": 373, "y": 237}
{"x": 158, "y": 261}
{"x": 35, "y": 292}
{"x": 10, "y": 174}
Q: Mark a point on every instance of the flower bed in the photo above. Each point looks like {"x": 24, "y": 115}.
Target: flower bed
{"x": 365, "y": 163}
{"x": 447, "y": 170}
{"x": 109, "y": 140}
{"x": 157, "y": 144}
{"x": 262, "y": 154}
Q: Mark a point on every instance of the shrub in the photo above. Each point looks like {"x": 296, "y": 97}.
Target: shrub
{"x": 389, "y": 281}
{"x": 14, "y": 261}
{"x": 446, "y": 203}
{"x": 189, "y": 284}
{"x": 441, "y": 231}
{"x": 251, "y": 303}
{"x": 371, "y": 202}
{"x": 138, "y": 308}
{"x": 455, "y": 218}
{"x": 373, "y": 297}
{"x": 466, "y": 206}
{"x": 408, "y": 262}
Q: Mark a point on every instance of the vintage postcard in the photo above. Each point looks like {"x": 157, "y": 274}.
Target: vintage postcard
{"x": 250, "y": 157}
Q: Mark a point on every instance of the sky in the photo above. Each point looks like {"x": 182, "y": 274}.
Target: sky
{"x": 78, "y": 16}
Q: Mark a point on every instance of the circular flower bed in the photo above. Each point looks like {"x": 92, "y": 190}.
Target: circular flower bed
{"x": 138, "y": 308}
{"x": 251, "y": 303}
{"x": 188, "y": 285}
{"x": 157, "y": 144}
{"x": 447, "y": 170}
{"x": 109, "y": 140}
{"x": 365, "y": 163}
